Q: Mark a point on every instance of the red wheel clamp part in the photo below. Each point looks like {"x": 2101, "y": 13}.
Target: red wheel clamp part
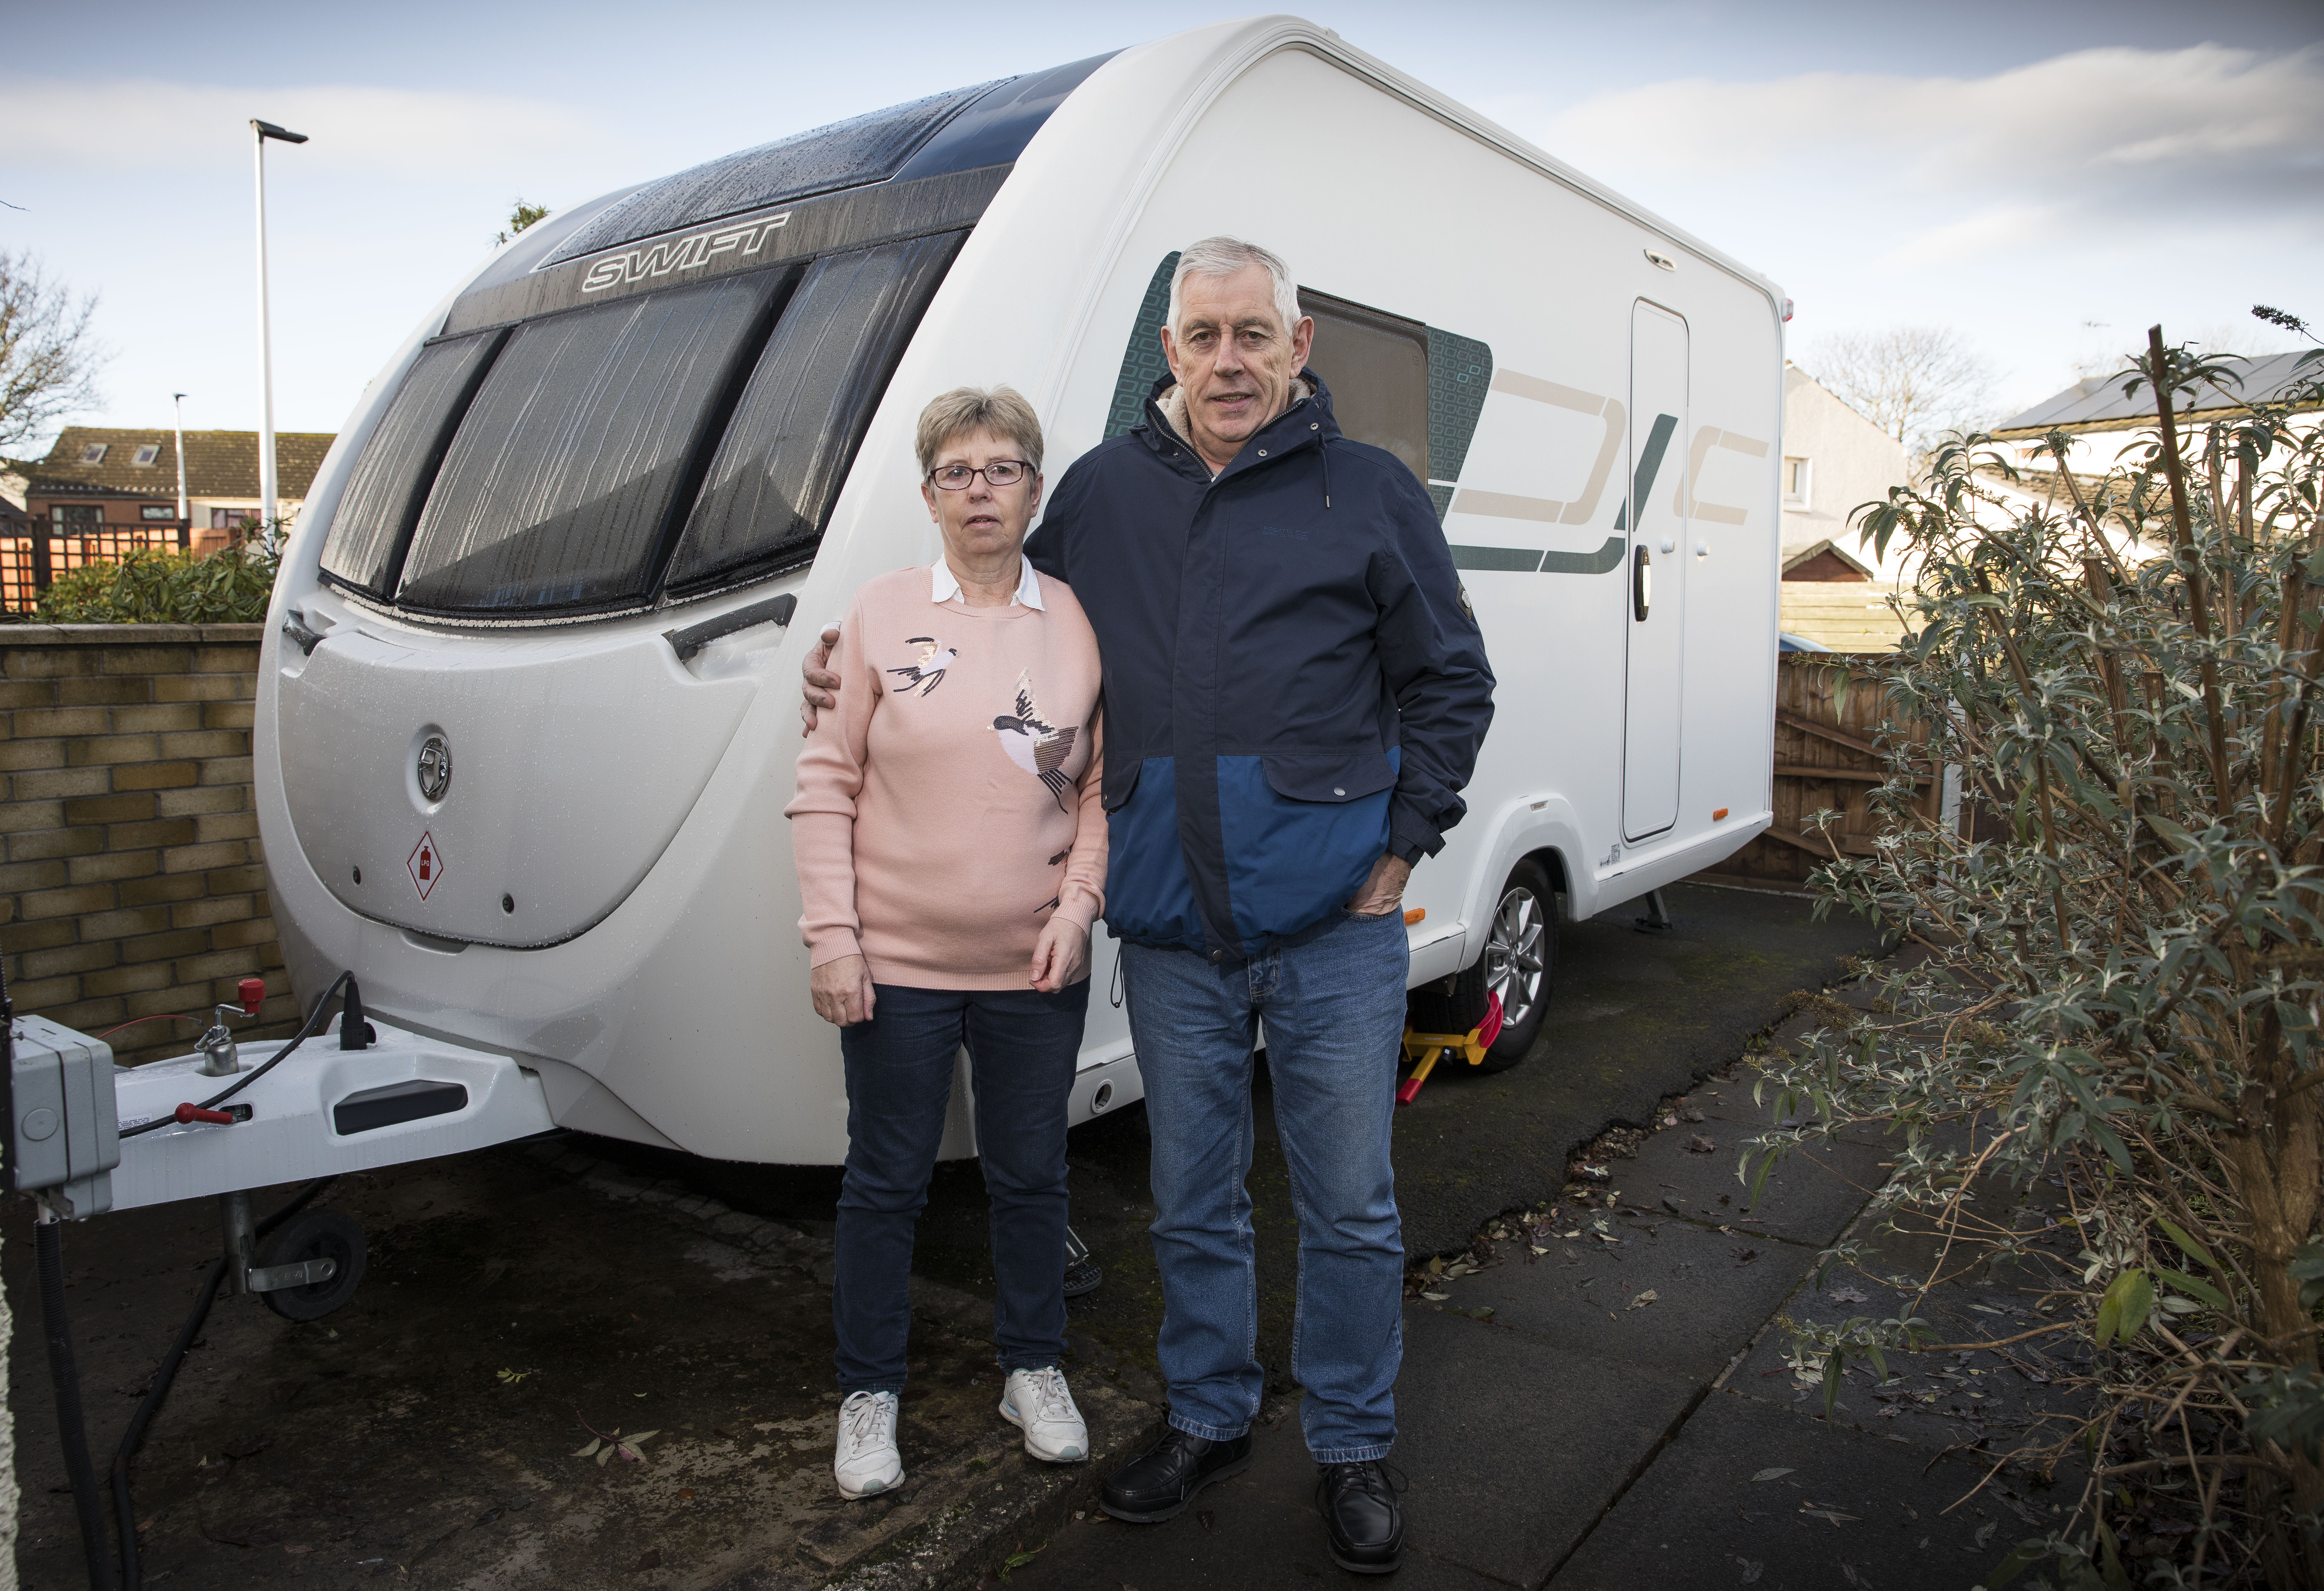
{"x": 189, "y": 1113}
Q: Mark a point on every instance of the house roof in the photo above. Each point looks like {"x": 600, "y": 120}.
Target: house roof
{"x": 218, "y": 464}
{"x": 1794, "y": 556}
{"x": 2097, "y": 404}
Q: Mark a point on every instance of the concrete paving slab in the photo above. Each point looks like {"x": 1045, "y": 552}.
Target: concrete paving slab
{"x": 1844, "y": 1509}
{"x": 1258, "y": 1529}
{"x": 1992, "y": 1401}
{"x": 1712, "y": 1290}
{"x": 1814, "y": 1194}
{"x": 1514, "y": 1448}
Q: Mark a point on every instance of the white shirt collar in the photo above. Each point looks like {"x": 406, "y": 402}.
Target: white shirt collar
{"x": 942, "y": 586}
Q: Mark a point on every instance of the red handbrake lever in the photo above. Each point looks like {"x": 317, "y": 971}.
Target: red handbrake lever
{"x": 187, "y": 1113}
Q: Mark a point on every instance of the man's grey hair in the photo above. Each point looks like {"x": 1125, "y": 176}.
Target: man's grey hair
{"x": 1229, "y": 256}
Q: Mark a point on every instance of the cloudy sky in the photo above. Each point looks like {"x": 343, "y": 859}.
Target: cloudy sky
{"x": 2048, "y": 177}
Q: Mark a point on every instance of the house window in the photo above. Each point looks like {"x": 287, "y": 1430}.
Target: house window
{"x": 94, "y": 454}
{"x": 77, "y": 518}
{"x": 156, "y": 511}
{"x": 1796, "y": 475}
{"x": 233, "y": 518}
{"x": 147, "y": 454}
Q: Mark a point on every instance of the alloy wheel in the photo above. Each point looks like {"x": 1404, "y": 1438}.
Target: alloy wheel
{"x": 1513, "y": 955}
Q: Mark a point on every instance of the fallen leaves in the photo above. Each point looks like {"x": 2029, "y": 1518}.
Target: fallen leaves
{"x": 604, "y": 1447}
{"x": 510, "y": 1377}
{"x": 1838, "y": 1518}
{"x": 1641, "y": 1302}
{"x": 1768, "y": 1475}
{"x": 1848, "y": 1295}
{"x": 1700, "y": 1144}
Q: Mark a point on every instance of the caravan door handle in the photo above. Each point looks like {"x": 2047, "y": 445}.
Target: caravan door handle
{"x": 1642, "y": 583}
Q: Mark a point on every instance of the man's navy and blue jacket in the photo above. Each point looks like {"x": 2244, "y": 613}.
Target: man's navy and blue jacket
{"x": 1294, "y": 683}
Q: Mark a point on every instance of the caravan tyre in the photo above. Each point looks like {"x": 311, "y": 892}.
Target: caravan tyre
{"x": 312, "y": 1235}
{"x": 1518, "y": 964}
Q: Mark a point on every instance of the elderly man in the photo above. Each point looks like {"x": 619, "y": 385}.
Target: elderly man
{"x": 1295, "y": 694}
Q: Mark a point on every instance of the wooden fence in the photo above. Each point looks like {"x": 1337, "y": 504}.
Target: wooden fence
{"x": 1827, "y": 756}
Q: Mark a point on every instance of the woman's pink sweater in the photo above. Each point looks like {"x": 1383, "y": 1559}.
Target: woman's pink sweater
{"x": 952, "y": 801}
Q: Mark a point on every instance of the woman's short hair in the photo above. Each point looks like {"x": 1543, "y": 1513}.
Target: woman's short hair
{"x": 1002, "y": 410}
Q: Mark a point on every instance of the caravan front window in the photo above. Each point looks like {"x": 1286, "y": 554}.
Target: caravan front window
{"x": 390, "y": 481}
{"x": 560, "y": 486}
{"x": 794, "y": 435}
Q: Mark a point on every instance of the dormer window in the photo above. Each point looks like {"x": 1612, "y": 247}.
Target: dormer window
{"x": 146, "y": 456}
{"x": 94, "y": 454}
{"x": 1796, "y": 477}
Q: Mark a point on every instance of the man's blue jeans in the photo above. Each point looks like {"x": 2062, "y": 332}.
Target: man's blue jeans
{"x": 1333, "y": 1006}
{"x": 1022, "y": 1048}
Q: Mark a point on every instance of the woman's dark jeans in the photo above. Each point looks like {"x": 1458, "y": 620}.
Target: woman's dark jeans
{"x": 1022, "y": 1047}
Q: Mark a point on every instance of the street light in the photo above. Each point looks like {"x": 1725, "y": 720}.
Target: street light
{"x": 185, "y": 524}
{"x": 270, "y": 508}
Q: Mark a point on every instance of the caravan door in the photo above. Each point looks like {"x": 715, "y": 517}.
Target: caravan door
{"x": 1657, "y": 595}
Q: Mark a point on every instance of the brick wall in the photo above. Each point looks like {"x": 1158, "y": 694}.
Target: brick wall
{"x": 133, "y": 885}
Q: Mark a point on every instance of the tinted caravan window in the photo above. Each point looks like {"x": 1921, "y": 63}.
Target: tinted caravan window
{"x": 1377, "y": 366}
{"x": 770, "y": 486}
{"x": 561, "y": 484}
{"x": 383, "y": 495}
{"x": 845, "y": 154}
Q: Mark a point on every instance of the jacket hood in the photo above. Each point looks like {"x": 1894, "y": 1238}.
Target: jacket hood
{"x": 1168, "y": 405}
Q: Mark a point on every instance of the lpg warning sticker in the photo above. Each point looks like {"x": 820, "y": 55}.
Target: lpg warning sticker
{"x": 426, "y": 864}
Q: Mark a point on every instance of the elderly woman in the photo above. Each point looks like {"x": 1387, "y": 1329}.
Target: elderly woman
{"x": 951, "y": 849}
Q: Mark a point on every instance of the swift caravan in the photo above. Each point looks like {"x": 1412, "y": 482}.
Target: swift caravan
{"x": 528, "y": 704}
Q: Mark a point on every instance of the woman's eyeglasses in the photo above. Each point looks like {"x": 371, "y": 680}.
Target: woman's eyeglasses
{"x": 1000, "y": 471}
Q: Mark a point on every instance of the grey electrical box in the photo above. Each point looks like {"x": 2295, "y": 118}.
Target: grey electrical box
{"x": 64, "y": 1129}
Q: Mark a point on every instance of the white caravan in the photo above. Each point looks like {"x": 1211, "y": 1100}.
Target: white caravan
{"x": 528, "y": 704}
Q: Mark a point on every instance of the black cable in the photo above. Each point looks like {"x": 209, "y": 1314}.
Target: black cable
{"x": 66, "y": 1377}
{"x": 124, "y": 1512}
{"x": 314, "y": 1025}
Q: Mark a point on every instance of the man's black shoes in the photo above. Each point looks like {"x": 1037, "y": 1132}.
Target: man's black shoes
{"x": 1160, "y": 1483}
{"x": 1360, "y": 1516}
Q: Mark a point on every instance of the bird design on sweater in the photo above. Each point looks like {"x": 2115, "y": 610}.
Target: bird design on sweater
{"x": 928, "y": 672}
{"x": 1040, "y": 748}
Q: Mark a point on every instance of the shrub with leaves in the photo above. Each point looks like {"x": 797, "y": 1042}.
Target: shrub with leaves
{"x": 2121, "y": 953}
{"x": 229, "y": 586}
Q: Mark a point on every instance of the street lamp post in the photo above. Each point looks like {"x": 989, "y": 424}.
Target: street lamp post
{"x": 270, "y": 508}
{"x": 184, "y": 522}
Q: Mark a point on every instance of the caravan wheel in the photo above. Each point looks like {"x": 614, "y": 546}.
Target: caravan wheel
{"x": 1518, "y": 964}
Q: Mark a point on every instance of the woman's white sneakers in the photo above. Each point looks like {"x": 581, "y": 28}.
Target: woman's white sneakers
{"x": 1038, "y": 1403}
{"x": 867, "y": 1462}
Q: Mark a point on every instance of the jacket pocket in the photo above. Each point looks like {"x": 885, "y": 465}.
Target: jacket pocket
{"x": 1329, "y": 776}
{"x": 1300, "y": 831}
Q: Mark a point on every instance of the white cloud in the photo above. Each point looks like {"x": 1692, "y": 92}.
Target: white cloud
{"x": 2203, "y": 123}
{"x": 126, "y": 125}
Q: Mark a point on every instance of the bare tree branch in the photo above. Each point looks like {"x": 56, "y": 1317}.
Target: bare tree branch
{"x": 48, "y": 357}
{"x": 1912, "y": 381}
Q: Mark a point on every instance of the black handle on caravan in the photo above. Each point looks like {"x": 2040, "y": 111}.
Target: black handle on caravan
{"x": 694, "y": 638}
{"x": 1642, "y": 583}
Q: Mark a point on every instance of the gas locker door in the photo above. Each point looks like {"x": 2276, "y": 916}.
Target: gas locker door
{"x": 1656, "y": 593}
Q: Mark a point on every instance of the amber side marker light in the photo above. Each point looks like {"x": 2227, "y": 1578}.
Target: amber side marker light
{"x": 1718, "y": 814}
{"x": 1414, "y": 916}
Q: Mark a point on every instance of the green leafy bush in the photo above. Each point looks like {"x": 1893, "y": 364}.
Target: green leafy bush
{"x": 2123, "y": 960}
{"x": 229, "y": 586}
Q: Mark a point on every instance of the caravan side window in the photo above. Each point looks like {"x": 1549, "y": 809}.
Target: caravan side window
{"x": 1377, "y": 367}
{"x": 382, "y": 502}
{"x": 559, "y": 489}
{"x": 770, "y": 486}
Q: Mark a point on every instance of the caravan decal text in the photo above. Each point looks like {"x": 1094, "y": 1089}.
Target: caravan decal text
{"x": 684, "y": 253}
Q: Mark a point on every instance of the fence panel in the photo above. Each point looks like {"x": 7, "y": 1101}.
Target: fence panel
{"x": 1828, "y": 728}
